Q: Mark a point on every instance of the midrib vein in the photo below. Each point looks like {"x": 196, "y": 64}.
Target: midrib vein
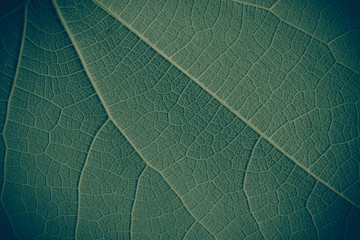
{"x": 8, "y": 108}
{"x": 82, "y": 174}
{"x": 113, "y": 120}
{"x": 221, "y": 101}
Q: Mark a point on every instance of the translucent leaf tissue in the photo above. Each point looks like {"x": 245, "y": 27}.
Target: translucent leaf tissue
{"x": 171, "y": 119}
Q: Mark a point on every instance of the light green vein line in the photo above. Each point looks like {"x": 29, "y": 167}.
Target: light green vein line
{"x": 224, "y": 103}
{"x": 136, "y": 194}
{"x": 252, "y": 5}
{"x": 8, "y": 107}
{"x": 38, "y": 96}
{"x": 82, "y": 174}
{"x": 274, "y": 4}
{"x": 308, "y": 209}
{"x": 245, "y": 176}
{"x": 342, "y": 35}
{"x": 191, "y": 226}
{"x": 108, "y": 113}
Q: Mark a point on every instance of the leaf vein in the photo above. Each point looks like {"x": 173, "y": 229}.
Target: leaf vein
{"x": 225, "y": 104}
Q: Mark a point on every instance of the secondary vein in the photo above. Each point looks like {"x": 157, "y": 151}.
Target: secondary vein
{"x": 9, "y": 103}
{"x": 110, "y": 116}
{"x": 82, "y": 174}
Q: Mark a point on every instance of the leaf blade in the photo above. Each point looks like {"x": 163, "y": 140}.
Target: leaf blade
{"x": 302, "y": 100}
{"x": 200, "y": 152}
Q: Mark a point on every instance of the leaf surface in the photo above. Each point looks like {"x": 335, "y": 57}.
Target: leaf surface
{"x": 179, "y": 119}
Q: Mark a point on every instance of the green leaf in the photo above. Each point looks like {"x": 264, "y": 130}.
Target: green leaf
{"x": 180, "y": 120}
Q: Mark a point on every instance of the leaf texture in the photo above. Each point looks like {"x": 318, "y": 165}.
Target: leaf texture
{"x": 180, "y": 120}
